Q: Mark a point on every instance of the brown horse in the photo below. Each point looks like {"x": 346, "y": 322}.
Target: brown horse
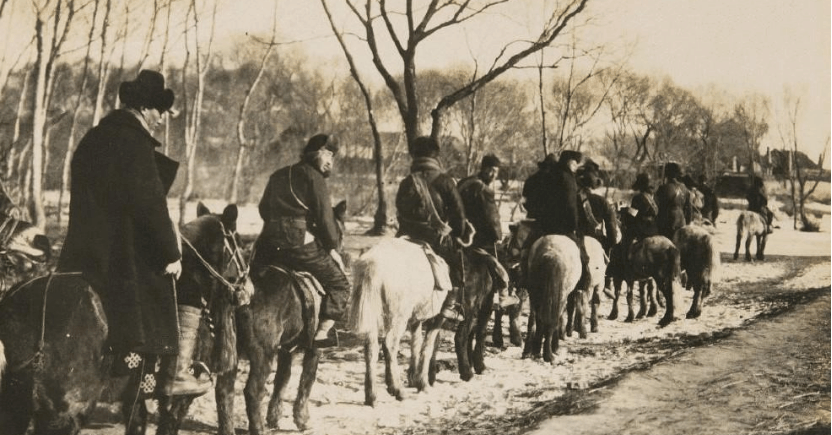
{"x": 699, "y": 258}
{"x": 54, "y": 329}
{"x": 751, "y": 224}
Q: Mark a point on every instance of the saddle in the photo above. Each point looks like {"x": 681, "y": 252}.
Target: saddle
{"x": 498, "y": 273}
{"x": 311, "y": 293}
{"x": 441, "y": 272}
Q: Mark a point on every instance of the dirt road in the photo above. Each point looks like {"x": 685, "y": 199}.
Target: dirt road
{"x": 770, "y": 378}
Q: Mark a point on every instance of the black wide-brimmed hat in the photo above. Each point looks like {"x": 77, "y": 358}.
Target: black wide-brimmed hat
{"x": 571, "y": 155}
{"x": 148, "y": 90}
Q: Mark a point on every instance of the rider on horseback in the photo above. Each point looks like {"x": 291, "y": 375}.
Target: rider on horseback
{"x": 300, "y": 232}
{"x": 674, "y": 202}
{"x": 553, "y": 198}
{"x": 639, "y": 222}
{"x": 481, "y": 209}
{"x": 758, "y": 202}
{"x": 436, "y": 217}
{"x": 598, "y": 218}
{"x": 121, "y": 236}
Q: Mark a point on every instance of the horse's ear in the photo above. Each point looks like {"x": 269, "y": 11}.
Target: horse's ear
{"x": 201, "y": 209}
{"x": 340, "y": 210}
{"x": 229, "y": 216}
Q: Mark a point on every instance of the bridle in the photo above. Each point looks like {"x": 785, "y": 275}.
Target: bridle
{"x": 230, "y": 246}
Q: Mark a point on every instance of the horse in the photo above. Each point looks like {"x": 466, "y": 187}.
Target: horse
{"x": 554, "y": 269}
{"x": 699, "y": 258}
{"x": 394, "y": 290}
{"x": 653, "y": 257}
{"x": 53, "y": 329}
{"x": 281, "y": 317}
{"x": 510, "y": 259}
{"x": 582, "y": 302}
{"x": 24, "y": 251}
{"x": 751, "y": 224}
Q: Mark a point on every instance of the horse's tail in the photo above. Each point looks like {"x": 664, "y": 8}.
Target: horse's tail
{"x": 712, "y": 254}
{"x": 550, "y": 276}
{"x": 366, "y": 311}
{"x": 742, "y": 224}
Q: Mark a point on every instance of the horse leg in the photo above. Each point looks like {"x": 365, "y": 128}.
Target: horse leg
{"x": 617, "y": 284}
{"x": 307, "y": 379}
{"x": 370, "y": 359}
{"x": 630, "y": 292}
{"x": 737, "y": 248}
{"x": 392, "y": 373}
{"x": 761, "y": 247}
{"x": 696, "y": 305}
{"x": 426, "y": 369}
{"x": 497, "y": 332}
{"x": 416, "y": 343}
{"x": 748, "y": 248}
{"x": 462, "y": 345}
{"x": 550, "y": 344}
{"x": 435, "y": 325}
{"x": 281, "y": 379}
{"x": 532, "y": 347}
{"x": 515, "y": 337}
{"x": 259, "y": 367}
{"x": 642, "y": 299}
{"x": 478, "y": 357}
{"x": 571, "y": 313}
{"x": 665, "y": 284}
{"x": 581, "y": 302}
{"x": 595, "y": 302}
{"x": 133, "y": 410}
{"x": 652, "y": 297}
{"x": 224, "y": 395}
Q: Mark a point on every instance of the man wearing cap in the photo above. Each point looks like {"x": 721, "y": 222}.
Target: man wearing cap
{"x": 481, "y": 210}
{"x": 674, "y": 202}
{"x": 444, "y": 224}
{"x": 300, "y": 232}
{"x": 560, "y": 208}
{"x": 122, "y": 238}
{"x": 598, "y": 217}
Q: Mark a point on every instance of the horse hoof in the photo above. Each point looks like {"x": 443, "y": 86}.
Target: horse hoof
{"x": 612, "y": 317}
{"x": 664, "y": 322}
{"x": 370, "y": 401}
{"x": 594, "y": 329}
{"x": 693, "y": 315}
{"x": 736, "y": 257}
{"x": 466, "y": 376}
{"x": 629, "y": 319}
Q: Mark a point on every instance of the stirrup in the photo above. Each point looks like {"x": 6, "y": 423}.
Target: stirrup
{"x": 330, "y": 341}
{"x": 452, "y": 313}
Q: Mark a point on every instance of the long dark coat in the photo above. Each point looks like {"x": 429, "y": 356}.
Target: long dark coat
{"x": 675, "y": 207}
{"x": 560, "y": 203}
{"x": 120, "y": 234}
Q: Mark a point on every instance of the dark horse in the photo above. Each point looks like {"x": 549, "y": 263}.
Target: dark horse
{"x": 23, "y": 248}
{"x": 54, "y": 329}
{"x": 281, "y": 318}
{"x": 653, "y": 257}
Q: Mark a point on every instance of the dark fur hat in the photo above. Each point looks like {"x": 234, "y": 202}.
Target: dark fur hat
{"x": 424, "y": 146}
{"x": 642, "y": 182}
{"x": 148, "y": 90}
{"x": 571, "y": 155}
{"x": 672, "y": 170}
{"x": 319, "y": 141}
{"x": 548, "y": 162}
{"x": 490, "y": 161}
{"x": 588, "y": 175}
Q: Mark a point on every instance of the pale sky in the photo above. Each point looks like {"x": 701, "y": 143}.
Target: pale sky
{"x": 742, "y": 46}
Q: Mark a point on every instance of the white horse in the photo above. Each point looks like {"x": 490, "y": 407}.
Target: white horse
{"x": 394, "y": 291}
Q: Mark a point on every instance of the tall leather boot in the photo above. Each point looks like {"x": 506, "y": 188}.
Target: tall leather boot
{"x": 450, "y": 308}
{"x": 184, "y": 383}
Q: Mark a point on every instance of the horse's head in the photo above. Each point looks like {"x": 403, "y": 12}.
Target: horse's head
{"x": 340, "y": 212}
{"x": 212, "y": 244}
{"x": 519, "y": 234}
{"x": 23, "y": 246}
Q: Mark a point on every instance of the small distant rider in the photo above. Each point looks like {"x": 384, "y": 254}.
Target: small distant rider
{"x": 710, "y": 210}
{"x": 673, "y": 201}
{"x": 481, "y": 210}
{"x": 758, "y": 202}
{"x": 430, "y": 210}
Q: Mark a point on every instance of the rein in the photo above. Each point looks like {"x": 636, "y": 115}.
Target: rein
{"x": 211, "y": 270}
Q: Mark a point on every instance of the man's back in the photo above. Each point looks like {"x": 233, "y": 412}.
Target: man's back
{"x": 481, "y": 210}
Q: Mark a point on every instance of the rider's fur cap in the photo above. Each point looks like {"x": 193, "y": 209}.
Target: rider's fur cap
{"x": 148, "y": 90}
{"x": 672, "y": 170}
{"x": 588, "y": 175}
{"x": 548, "y": 162}
{"x": 424, "y": 146}
{"x": 571, "y": 155}
{"x": 490, "y": 161}
{"x": 642, "y": 182}
{"x": 319, "y": 141}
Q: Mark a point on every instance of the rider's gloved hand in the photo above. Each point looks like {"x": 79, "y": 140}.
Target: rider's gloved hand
{"x": 174, "y": 269}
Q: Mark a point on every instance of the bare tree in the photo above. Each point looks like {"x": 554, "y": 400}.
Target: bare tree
{"x": 103, "y": 64}
{"x": 52, "y": 24}
{"x": 380, "y": 219}
{"x": 800, "y": 186}
{"x": 751, "y": 115}
{"x": 438, "y": 15}
{"x": 242, "y": 142}
{"x": 202, "y": 61}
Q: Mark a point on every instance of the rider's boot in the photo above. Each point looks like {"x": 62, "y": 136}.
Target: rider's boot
{"x": 450, "y": 308}
{"x": 322, "y": 335}
{"x": 185, "y": 383}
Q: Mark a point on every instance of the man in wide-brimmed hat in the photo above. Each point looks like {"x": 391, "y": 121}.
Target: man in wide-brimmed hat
{"x": 122, "y": 238}
{"x": 674, "y": 202}
{"x": 300, "y": 232}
